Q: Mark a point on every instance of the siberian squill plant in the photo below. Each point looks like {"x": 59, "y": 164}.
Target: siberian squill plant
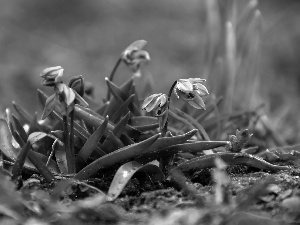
{"x": 115, "y": 140}
{"x": 64, "y": 98}
{"x": 190, "y": 90}
{"x": 133, "y": 56}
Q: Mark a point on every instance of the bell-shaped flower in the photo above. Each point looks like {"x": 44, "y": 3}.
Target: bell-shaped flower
{"x": 191, "y": 90}
{"x": 155, "y": 102}
{"x": 134, "y": 56}
{"x": 52, "y": 76}
{"x": 159, "y": 104}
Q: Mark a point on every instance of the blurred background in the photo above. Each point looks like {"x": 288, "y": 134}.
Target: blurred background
{"x": 185, "y": 39}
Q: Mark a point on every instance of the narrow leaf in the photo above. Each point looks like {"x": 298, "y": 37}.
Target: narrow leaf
{"x": 120, "y": 156}
{"x": 19, "y": 128}
{"x": 40, "y": 166}
{"x": 92, "y": 142}
{"x": 117, "y": 131}
{"x": 208, "y": 161}
{"x": 142, "y": 120}
{"x": 113, "y": 103}
{"x": 123, "y": 109}
{"x": 19, "y": 163}
{"x": 24, "y": 115}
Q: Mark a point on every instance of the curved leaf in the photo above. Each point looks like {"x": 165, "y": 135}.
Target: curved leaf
{"x": 125, "y": 173}
{"x": 197, "y": 146}
{"x": 208, "y": 161}
{"x": 120, "y": 156}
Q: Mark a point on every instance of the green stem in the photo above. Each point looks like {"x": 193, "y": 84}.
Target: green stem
{"x": 164, "y": 162}
{"x": 69, "y": 154}
{"x": 112, "y": 74}
{"x": 71, "y": 138}
{"x": 165, "y": 128}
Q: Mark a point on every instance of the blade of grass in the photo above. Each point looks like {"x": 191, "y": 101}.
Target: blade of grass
{"x": 194, "y": 122}
{"x": 184, "y": 121}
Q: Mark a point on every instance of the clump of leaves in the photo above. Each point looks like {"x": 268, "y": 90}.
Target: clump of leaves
{"x": 78, "y": 140}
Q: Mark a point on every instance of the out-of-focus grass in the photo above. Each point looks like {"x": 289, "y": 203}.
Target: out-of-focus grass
{"x": 87, "y": 38}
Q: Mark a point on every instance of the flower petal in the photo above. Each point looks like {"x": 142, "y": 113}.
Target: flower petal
{"x": 69, "y": 95}
{"x": 196, "y": 80}
{"x": 189, "y": 96}
{"x": 184, "y": 85}
{"x": 154, "y": 104}
{"x": 198, "y": 102}
{"x": 149, "y": 99}
{"x": 137, "y": 45}
{"x": 163, "y": 100}
{"x": 201, "y": 89}
{"x": 51, "y": 72}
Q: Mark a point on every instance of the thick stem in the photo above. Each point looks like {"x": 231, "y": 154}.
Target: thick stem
{"x": 69, "y": 154}
{"x": 71, "y": 137}
{"x": 165, "y": 128}
{"x": 165, "y": 162}
{"x": 111, "y": 76}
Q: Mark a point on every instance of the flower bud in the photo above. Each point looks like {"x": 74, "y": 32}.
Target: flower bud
{"x": 134, "y": 56}
{"x": 77, "y": 84}
{"x": 155, "y": 102}
{"x": 52, "y": 75}
{"x": 191, "y": 90}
